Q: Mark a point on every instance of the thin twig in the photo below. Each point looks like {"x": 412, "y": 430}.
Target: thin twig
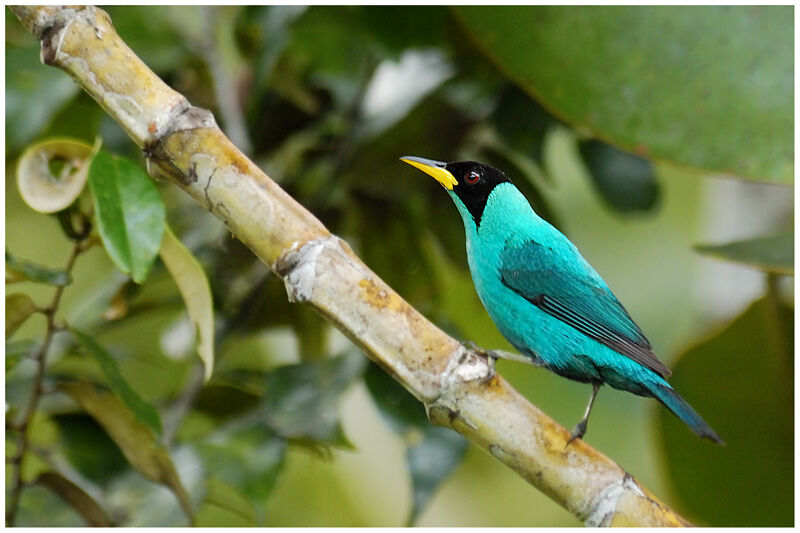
{"x": 40, "y": 359}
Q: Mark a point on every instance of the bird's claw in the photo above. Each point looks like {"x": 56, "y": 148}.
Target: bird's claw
{"x": 578, "y": 432}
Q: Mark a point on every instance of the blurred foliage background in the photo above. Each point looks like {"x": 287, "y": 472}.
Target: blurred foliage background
{"x": 658, "y": 139}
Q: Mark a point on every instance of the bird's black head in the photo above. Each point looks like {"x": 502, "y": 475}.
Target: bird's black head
{"x": 476, "y": 181}
{"x": 470, "y": 181}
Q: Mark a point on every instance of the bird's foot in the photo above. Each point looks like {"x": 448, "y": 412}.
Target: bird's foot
{"x": 578, "y": 432}
{"x": 490, "y": 356}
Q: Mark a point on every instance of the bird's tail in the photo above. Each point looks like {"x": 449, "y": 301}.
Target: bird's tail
{"x": 666, "y": 395}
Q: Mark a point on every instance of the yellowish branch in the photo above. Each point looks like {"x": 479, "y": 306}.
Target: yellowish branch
{"x": 184, "y": 144}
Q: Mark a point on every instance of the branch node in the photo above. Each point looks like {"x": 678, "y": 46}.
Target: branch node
{"x": 183, "y": 117}
{"x": 298, "y": 267}
{"x": 464, "y": 367}
{"x": 602, "y": 510}
{"x": 50, "y": 28}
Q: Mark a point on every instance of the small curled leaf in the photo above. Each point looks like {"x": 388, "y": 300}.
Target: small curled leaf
{"x": 51, "y": 174}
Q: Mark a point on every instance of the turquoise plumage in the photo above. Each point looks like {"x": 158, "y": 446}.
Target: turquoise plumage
{"x": 545, "y": 298}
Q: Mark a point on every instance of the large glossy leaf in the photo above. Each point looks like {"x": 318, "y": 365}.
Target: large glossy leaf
{"x": 301, "y": 402}
{"x": 130, "y": 213}
{"x": 741, "y": 381}
{"x": 433, "y": 452}
{"x": 193, "y": 286}
{"x": 700, "y": 86}
{"x": 144, "y": 412}
{"x": 773, "y": 253}
{"x": 76, "y": 497}
{"x": 135, "y": 440}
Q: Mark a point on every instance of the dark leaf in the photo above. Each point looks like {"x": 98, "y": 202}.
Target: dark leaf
{"x": 522, "y": 122}
{"x": 249, "y": 460}
{"x": 433, "y": 452}
{"x": 79, "y": 119}
{"x": 130, "y": 213}
{"x": 21, "y": 270}
{"x": 301, "y": 401}
{"x": 430, "y": 461}
{"x": 88, "y": 448}
{"x": 144, "y": 412}
{"x": 773, "y": 253}
{"x": 76, "y": 497}
{"x": 753, "y": 475}
{"x": 626, "y": 181}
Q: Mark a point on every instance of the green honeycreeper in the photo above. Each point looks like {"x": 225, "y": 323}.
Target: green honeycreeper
{"x": 545, "y": 298}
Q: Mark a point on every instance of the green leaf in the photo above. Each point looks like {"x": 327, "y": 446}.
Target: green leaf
{"x": 76, "y": 497}
{"x": 626, "y": 181}
{"x": 433, "y": 452}
{"x": 611, "y": 72}
{"x": 21, "y": 270}
{"x": 143, "y": 411}
{"x": 271, "y": 29}
{"x": 43, "y": 189}
{"x": 130, "y": 213}
{"x": 522, "y": 122}
{"x": 773, "y": 253}
{"x": 15, "y": 351}
{"x": 193, "y": 286}
{"x": 431, "y": 461}
{"x": 249, "y": 460}
{"x": 19, "y": 307}
{"x": 741, "y": 381}
{"x": 301, "y": 401}
{"x": 34, "y": 93}
{"x": 135, "y": 441}
{"x": 224, "y": 506}
{"x": 88, "y": 448}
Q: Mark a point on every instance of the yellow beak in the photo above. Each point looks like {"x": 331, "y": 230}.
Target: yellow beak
{"x": 436, "y": 169}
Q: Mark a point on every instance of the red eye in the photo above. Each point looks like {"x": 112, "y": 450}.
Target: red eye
{"x": 473, "y": 177}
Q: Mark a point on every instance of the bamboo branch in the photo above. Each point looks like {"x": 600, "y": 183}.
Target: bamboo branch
{"x": 184, "y": 144}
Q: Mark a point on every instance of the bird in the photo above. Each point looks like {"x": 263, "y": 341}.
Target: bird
{"x": 546, "y": 299}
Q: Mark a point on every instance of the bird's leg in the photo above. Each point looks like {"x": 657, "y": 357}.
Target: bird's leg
{"x": 580, "y": 429}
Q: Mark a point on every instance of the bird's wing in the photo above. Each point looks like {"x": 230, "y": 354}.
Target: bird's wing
{"x": 562, "y": 284}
